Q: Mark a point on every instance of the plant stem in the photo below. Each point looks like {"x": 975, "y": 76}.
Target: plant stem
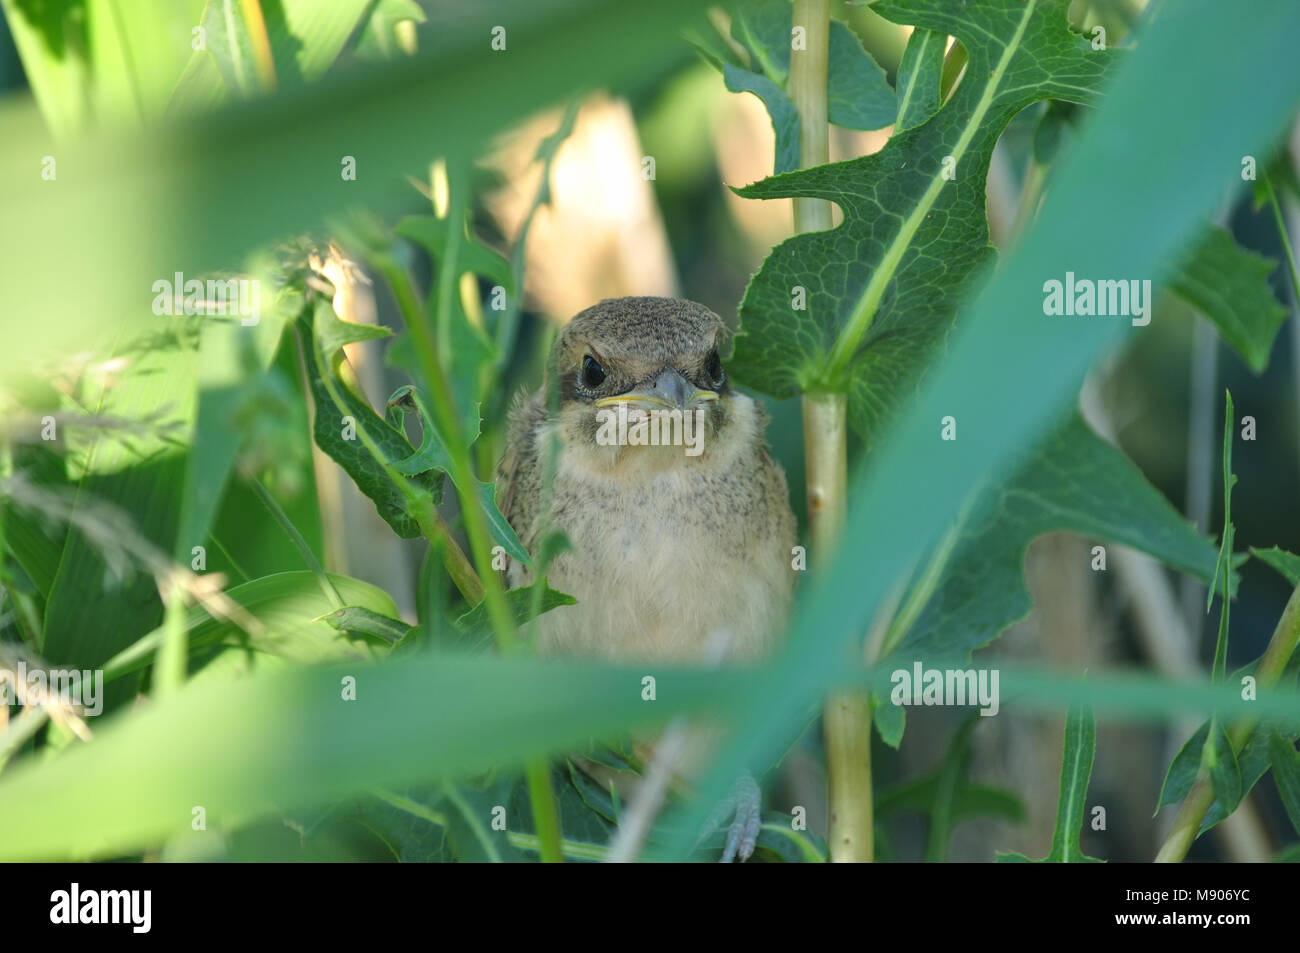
{"x": 537, "y": 771}
{"x": 445, "y": 418}
{"x": 171, "y": 662}
{"x": 1282, "y": 235}
{"x": 808, "y": 90}
{"x": 1187, "y": 825}
{"x": 847, "y": 715}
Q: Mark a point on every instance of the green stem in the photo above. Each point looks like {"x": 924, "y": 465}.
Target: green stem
{"x": 1187, "y": 825}
{"x": 446, "y": 418}
{"x": 1282, "y": 234}
{"x": 847, "y": 715}
{"x": 304, "y": 550}
{"x": 172, "y": 659}
{"x": 546, "y": 816}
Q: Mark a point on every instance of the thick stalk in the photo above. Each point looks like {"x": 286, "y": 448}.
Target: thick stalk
{"x": 847, "y": 716}
{"x": 1199, "y": 799}
{"x": 808, "y": 90}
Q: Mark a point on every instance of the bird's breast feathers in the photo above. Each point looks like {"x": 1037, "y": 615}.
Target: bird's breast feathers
{"x": 665, "y": 560}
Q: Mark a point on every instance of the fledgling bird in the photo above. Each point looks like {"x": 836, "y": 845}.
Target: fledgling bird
{"x": 673, "y": 546}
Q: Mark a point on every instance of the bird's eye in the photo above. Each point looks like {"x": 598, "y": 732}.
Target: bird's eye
{"x": 714, "y": 368}
{"x": 593, "y": 375}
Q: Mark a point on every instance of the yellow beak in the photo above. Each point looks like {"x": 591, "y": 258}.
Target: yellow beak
{"x": 668, "y": 391}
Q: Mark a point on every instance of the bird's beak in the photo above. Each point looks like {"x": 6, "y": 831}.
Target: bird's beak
{"x": 668, "y": 391}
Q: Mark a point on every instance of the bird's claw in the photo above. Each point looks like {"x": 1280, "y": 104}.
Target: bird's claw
{"x": 744, "y": 808}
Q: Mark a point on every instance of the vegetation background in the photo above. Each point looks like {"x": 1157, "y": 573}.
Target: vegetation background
{"x": 499, "y": 183}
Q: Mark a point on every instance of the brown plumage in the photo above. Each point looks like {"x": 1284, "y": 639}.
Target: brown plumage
{"x": 670, "y": 550}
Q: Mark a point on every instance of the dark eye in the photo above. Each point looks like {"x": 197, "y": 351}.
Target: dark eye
{"x": 714, "y": 368}
{"x": 593, "y": 375}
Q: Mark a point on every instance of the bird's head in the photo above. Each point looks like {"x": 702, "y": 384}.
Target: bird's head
{"x": 650, "y": 363}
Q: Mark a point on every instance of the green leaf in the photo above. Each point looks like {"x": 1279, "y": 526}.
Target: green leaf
{"x": 918, "y": 78}
{"x": 467, "y": 351}
{"x": 583, "y": 807}
{"x": 33, "y": 540}
{"x": 890, "y": 278}
{"x": 471, "y": 256}
{"x": 1229, "y": 285}
{"x": 858, "y": 95}
{"x": 1097, "y": 218}
{"x": 413, "y": 822}
{"x": 234, "y": 391}
{"x": 954, "y": 767}
{"x": 359, "y": 619}
{"x": 228, "y": 42}
{"x": 433, "y": 455}
{"x": 476, "y": 622}
{"x": 339, "y": 412}
{"x": 969, "y": 801}
{"x": 784, "y": 116}
{"x": 1052, "y": 130}
{"x": 1221, "y": 763}
{"x": 778, "y": 841}
{"x": 291, "y": 609}
{"x": 1252, "y": 762}
{"x": 1285, "y": 761}
{"x": 1288, "y": 564}
{"x": 305, "y": 37}
{"x": 130, "y": 495}
{"x": 332, "y": 333}
{"x": 242, "y": 174}
{"x": 53, "y": 47}
{"x": 1076, "y": 770}
{"x": 269, "y": 743}
{"x": 1289, "y": 855}
{"x": 1072, "y": 481}
{"x": 890, "y": 720}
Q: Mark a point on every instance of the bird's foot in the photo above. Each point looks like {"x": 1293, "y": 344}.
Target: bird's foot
{"x": 743, "y": 807}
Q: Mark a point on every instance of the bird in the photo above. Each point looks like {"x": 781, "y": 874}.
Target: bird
{"x": 678, "y": 521}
